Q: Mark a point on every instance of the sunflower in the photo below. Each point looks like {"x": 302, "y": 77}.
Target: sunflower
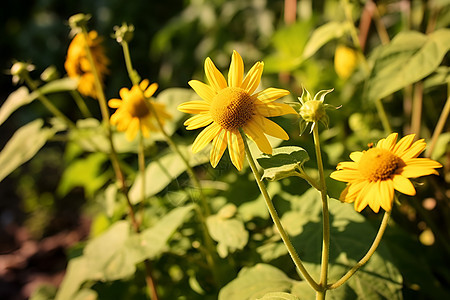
{"x": 133, "y": 112}
{"x": 77, "y": 63}
{"x": 225, "y": 108}
{"x": 373, "y": 175}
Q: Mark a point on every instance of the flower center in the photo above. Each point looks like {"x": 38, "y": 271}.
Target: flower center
{"x": 136, "y": 106}
{"x": 232, "y": 108}
{"x": 379, "y": 164}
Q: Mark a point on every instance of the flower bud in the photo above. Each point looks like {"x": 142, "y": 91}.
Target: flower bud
{"x": 312, "y": 111}
{"x": 123, "y": 33}
{"x": 49, "y": 74}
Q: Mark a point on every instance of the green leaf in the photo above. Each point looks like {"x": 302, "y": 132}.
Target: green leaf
{"x": 284, "y": 162}
{"x": 324, "y": 34}
{"x": 279, "y": 296}
{"x": 256, "y": 282}
{"x": 351, "y": 235}
{"x": 44, "y": 292}
{"x": 439, "y": 77}
{"x": 442, "y": 145}
{"x": 163, "y": 170}
{"x": 154, "y": 240}
{"x": 56, "y": 86}
{"x": 16, "y": 99}
{"x": 289, "y": 43}
{"x": 76, "y": 273}
{"x": 23, "y": 145}
{"x": 86, "y": 172}
{"x": 227, "y": 231}
{"x": 85, "y": 294}
{"x": 410, "y": 57}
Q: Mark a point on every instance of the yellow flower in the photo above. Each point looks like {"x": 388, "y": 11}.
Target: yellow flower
{"x": 77, "y": 64}
{"x": 345, "y": 61}
{"x": 227, "y": 107}
{"x": 373, "y": 175}
{"x": 133, "y": 112}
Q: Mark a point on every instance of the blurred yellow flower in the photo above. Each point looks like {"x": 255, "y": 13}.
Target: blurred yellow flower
{"x": 133, "y": 112}
{"x": 345, "y": 60}
{"x": 227, "y": 107}
{"x": 373, "y": 175}
{"x": 77, "y": 63}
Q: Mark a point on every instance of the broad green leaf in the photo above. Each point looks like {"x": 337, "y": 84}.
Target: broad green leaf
{"x": 86, "y": 294}
{"x": 351, "y": 238}
{"x": 442, "y": 145}
{"x": 163, "y": 170}
{"x": 284, "y": 162}
{"x": 227, "y": 231}
{"x": 44, "y": 292}
{"x": 439, "y": 77}
{"x": 289, "y": 43}
{"x": 154, "y": 240}
{"x": 23, "y": 145}
{"x": 255, "y": 282}
{"x": 107, "y": 256}
{"x": 16, "y": 99}
{"x": 279, "y": 296}
{"x": 22, "y": 96}
{"x": 324, "y": 34}
{"x": 86, "y": 172}
{"x": 77, "y": 272}
{"x": 410, "y": 57}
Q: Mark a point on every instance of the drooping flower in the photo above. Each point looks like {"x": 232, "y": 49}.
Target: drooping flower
{"x": 77, "y": 63}
{"x": 133, "y": 112}
{"x": 373, "y": 175}
{"x": 227, "y": 107}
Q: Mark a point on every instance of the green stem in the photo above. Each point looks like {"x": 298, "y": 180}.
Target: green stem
{"x": 366, "y": 257}
{"x": 141, "y": 161}
{"x": 383, "y": 116}
{"x": 81, "y": 104}
{"x": 115, "y": 160}
{"x": 202, "y": 213}
{"x": 47, "y": 103}
{"x": 276, "y": 220}
{"x": 309, "y": 179}
{"x": 416, "y": 114}
{"x": 326, "y": 218}
{"x": 440, "y": 124}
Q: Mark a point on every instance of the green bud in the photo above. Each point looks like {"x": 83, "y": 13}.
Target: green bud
{"x": 78, "y": 21}
{"x": 49, "y": 74}
{"x": 123, "y": 33}
{"x": 313, "y": 110}
{"x": 19, "y": 70}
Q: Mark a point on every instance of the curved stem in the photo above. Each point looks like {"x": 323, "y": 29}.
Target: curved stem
{"x": 383, "y": 116}
{"x": 276, "y": 219}
{"x": 46, "y": 102}
{"x": 79, "y": 101}
{"x": 326, "y": 218}
{"x": 366, "y": 257}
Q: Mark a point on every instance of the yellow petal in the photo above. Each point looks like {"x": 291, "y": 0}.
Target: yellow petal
{"x": 123, "y": 93}
{"x": 389, "y": 142}
{"x": 386, "y": 194}
{"x": 197, "y": 121}
{"x": 194, "y": 107}
{"x": 403, "y": 185}
{"x": 271, "y": 94}
{"x": 417, "y": 167}
{"x": 345, "y": 175}
{"x": 132, "y": 129}
{"x": 253, "y": 78}
{"x": 353, "y": 190}
{"x": 144, "y": 84}
{"x": 274, "y": 109}
{"x": 206, "y": 92}
{"x": 150, "y": 90}
{"x": 236, "y": 72}
{"x": 356, "y": 156}
{"x": 347, "y": 165}
{"x": 372, "y": 196}
{"x": 205, "y": 137}
{"x": 236, "y": 149}
{"x": 414, "y": 150}
{"x": 361, "y": 200}
{"x": 271, "y": 128}
{"x": 114, "y": 103}
{"x": 215, "y": 78}
{"x": 218, "y": 147}
{"x": 403, "y": 144}
{"x": 254, "y": 131}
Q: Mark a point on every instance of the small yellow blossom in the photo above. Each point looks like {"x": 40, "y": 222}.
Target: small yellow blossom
{"x": 133, "y": 112}
{"x": 77, "y": 63}
{"x": 373, "y": 175}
